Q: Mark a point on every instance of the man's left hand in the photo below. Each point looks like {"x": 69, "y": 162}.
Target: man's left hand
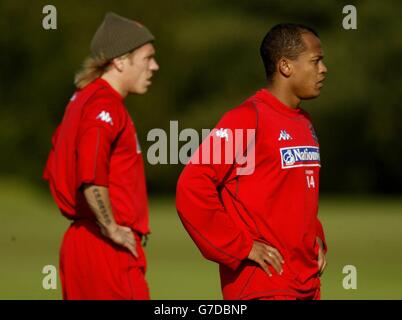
{"x": 322, "y": 261}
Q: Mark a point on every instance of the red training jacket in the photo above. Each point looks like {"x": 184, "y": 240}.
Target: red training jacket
{"x": 224, "y": 210}
{"x": 96, "y": 143}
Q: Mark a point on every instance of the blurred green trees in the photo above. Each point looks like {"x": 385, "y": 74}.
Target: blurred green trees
{"x": 208, "y": 53}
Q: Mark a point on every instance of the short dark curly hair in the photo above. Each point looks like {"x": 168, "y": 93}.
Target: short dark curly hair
{"x": 283, "y": 40}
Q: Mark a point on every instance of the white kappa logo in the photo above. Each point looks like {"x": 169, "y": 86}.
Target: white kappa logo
{"x": 284, "y": 136}
{"x": 105, "y": 116}
{"x": 222, "y": 133}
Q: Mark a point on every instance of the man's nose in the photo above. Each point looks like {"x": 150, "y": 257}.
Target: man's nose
{"x": 324, "y": 68}
{"x": 154, "y": 66}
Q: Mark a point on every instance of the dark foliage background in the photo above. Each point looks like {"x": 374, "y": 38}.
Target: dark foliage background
{"x": 208, "y": 53}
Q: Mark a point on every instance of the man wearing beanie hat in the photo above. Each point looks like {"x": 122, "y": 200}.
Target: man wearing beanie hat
{"x": 95, "y": 168}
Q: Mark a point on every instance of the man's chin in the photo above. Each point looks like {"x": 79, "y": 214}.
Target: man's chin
{"x": 139, "y": 91}
{"x": 311, "y": 95}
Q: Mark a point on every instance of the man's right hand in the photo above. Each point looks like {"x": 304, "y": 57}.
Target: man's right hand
{"x": 264, "y": 254}
{"x": 121, "y": 235}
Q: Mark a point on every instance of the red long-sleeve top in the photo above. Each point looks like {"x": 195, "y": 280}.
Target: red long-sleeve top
{"x": 265, "y": 189}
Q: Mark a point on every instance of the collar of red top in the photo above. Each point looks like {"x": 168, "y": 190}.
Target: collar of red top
{"x": 275, "y": 103}
{"x": 113, "y": 91}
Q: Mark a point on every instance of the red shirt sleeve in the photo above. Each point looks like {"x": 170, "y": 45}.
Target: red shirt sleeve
{"x": 198, "y": 200}
{"x": 321, "y": 235}
{"x": 99, "y": 126}
{"x": 46, "y": 172}
{"x": 319, "y": 228}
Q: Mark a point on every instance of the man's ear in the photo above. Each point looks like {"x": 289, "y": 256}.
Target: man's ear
{"x": 118, "y": 63}
{"x": 285, "y": 67}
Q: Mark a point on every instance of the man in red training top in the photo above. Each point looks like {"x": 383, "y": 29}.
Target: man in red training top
{"x": 96, "y": 172}
{"x": 261, "y": 225}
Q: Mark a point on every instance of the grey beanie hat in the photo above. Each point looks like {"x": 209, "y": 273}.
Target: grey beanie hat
{"x": 117, "y": 36}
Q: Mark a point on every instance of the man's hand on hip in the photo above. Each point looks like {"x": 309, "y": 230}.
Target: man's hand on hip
{"x": 98, "y": 200}
{"x": 322, "y": 261}
{"x": 264, "y": 254}
{"x": 121, "y": 235}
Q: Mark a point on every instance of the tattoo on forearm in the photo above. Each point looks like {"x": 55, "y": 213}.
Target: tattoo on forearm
{"x": 102, "y": 207}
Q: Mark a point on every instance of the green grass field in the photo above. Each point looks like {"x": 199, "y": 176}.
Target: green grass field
{"x": 366, "y": 233}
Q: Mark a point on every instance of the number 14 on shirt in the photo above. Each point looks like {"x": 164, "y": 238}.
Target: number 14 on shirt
{"x": 310, "y": 182}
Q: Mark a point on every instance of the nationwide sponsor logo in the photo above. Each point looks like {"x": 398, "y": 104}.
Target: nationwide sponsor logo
{"x": 300, "y": 156}
{"x": 284, "y": 136}
{"x": 105, "y": 116}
